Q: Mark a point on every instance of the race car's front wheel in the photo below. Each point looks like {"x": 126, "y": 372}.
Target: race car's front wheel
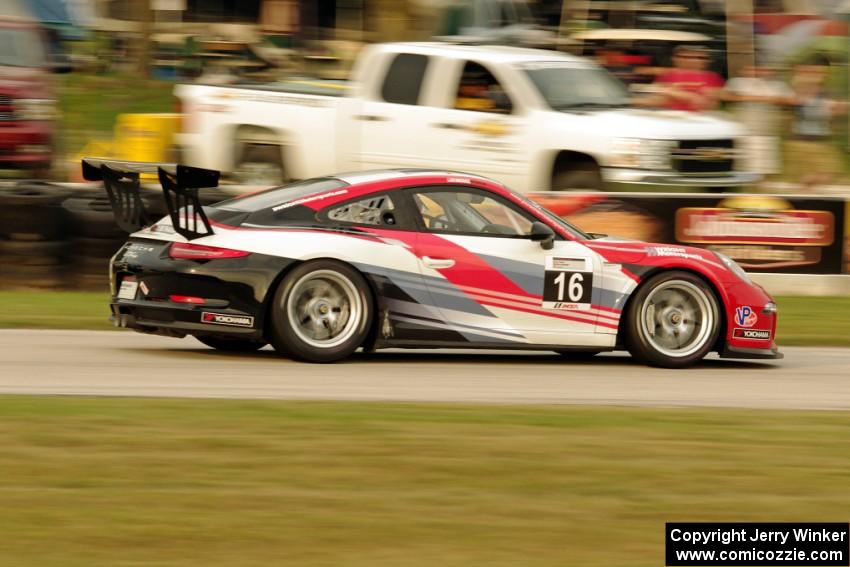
{"x": 673, "y": 321}
{"x": 322, "y": 311}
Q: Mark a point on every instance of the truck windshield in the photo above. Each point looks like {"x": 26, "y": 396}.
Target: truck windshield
{"x": 570, "y": 88}
{"x": 21, "y": 47}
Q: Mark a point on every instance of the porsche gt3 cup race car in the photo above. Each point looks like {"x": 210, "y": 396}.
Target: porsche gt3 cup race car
{"x": 414, "y": 259}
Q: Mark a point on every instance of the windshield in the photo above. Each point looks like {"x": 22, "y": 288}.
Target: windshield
{"x": 21, "y": 47}
{"x": 566, "y": 88}
{"x": 573, "y": 230}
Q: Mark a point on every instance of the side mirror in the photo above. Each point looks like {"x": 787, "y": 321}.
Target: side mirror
{"x": 543, "y": 234}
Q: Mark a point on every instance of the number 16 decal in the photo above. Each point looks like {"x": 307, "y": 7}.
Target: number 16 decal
{"x": 567, "y": 284}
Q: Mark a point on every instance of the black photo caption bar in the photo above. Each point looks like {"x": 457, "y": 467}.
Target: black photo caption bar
{"x": 749, "y": 543}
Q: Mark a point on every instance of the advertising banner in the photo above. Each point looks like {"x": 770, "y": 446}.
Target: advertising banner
{"x": 763, "y": 233}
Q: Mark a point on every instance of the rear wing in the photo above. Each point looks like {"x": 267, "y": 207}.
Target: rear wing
{"x": 180, "y": 184}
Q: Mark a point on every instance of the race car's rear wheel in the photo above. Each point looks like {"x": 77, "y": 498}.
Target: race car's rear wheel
{"x": 321, "y": 312}
{"x": 231, "y": 345}
{"x": 673, "y": 321}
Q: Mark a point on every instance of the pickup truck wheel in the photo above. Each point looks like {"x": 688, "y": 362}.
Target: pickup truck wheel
{"x": 321, "y": 312}
{"x": 673, "y": 320}
{"x": 260, "y": 164}
{"x": 582, "y": 179}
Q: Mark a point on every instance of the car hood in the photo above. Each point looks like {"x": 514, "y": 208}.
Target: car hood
{"x": 656, "y": 124}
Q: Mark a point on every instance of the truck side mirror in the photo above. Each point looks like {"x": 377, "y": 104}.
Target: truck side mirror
{"x": 543, "y": 234}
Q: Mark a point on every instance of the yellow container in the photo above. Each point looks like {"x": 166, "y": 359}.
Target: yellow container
{"x": 137, "y": 137}
{"x": 145, "y": 137}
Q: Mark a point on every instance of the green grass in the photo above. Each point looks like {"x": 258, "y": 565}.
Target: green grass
{"x": 802, "y": 320}
{"x": 54, "y": 310}
{"x": 814, "y": 321}
{"x": 89, "y": 104}
{"x": 89, "y": 482}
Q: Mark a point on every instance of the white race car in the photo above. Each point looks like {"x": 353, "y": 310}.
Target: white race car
{"x": 414, "y": 259}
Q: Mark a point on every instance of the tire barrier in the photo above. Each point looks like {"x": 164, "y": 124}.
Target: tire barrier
{"x": 95, "y": 238}
{"x": 36, "y": 264}
{"x": 33, "y": 235}
{"x": 61, "y": 236}
{"x": 91, "y": 216}
{"x": 31, "y": 211}
{"x": 55, "y": 236}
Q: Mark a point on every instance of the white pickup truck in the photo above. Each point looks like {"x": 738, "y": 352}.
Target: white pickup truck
{"x": 532, "y": 119}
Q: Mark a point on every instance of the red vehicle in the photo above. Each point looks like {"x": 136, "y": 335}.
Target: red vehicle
{"x": 26, "y": 101}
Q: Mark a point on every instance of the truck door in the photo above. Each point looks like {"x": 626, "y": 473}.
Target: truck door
{"x": 389, "y": 122}
{"x": 479, "y": 127}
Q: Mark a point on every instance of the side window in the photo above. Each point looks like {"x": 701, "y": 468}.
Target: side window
{"x": 378, "y": 210}
{"x": 480, "y": 91}
{"x": 404, "y": 78}
{"x": 469, "y": 212}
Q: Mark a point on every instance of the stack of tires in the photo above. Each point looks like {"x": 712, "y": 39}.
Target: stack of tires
{"x": 95, "y": 238}
{"x": 51, "y": 237}
{"x": 34, "y": 250}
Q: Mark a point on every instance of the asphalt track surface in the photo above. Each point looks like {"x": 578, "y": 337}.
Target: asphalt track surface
{"x": 131, "y": 364}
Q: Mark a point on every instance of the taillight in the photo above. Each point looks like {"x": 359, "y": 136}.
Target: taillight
{"x": 187, "y": 299}
{"x": 188, "y": 251}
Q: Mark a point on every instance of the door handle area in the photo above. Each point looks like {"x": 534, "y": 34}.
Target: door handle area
{"x": 448, "y": 126}
{"x": 371, "y": 118}
{"x": 438, "y": 263}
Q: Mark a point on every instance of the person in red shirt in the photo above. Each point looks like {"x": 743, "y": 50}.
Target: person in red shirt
{"x": 688, "y": 85}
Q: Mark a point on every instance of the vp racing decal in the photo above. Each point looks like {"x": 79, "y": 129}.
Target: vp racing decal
{"x": 745, "y": 316}
{"x": 231, "y": 320}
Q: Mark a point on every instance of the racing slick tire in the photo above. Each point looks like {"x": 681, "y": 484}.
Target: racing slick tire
{"x": 672, "y": 321}
{"x": 321, "y": 312}
{"x": 230, "y": 345}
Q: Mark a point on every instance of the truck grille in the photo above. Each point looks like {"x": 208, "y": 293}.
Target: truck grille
{"x": 704, "y": 156}
{"x": 7, "y": 111}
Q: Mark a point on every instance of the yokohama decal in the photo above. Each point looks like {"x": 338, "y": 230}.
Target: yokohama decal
{"x": 751, "y": 334}
{"x": 231, "y": 320}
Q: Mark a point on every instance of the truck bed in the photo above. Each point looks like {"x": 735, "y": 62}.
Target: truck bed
{"x": 298, "y": 85}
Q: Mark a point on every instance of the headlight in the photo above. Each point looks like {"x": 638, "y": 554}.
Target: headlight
{"x": 641, "y": 154}
{"x": 734, "y": 267}
{"x": 34, "y": 109}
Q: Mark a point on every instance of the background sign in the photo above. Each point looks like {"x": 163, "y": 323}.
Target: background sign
{"x": 763, "y": 233}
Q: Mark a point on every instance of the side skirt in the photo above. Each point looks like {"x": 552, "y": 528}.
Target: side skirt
{"x": 419, "y": 344}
